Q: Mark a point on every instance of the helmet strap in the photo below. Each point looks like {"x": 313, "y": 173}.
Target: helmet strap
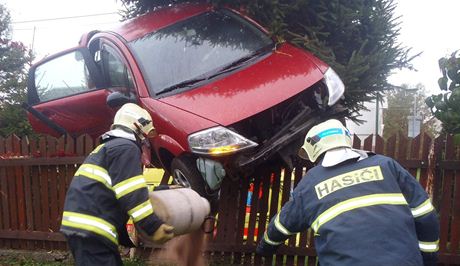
{"x": 139, "y": 131}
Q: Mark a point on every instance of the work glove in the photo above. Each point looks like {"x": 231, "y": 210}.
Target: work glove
{"x": 163, "y": 234}
{"x": 265, "y": 250}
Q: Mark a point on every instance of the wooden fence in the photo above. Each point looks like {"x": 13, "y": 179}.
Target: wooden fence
{"x": 34, "y": 176}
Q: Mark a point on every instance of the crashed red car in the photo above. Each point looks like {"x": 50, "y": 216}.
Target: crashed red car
{"x": 224, "y": 96}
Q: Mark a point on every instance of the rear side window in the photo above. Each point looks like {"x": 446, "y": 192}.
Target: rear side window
{"x": 63, "y": 76}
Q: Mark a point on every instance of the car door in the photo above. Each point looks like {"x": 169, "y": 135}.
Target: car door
{"x": 67, "y": 93}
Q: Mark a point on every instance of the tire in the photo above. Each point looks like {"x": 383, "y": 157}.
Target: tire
{"x": 186, "y": 174}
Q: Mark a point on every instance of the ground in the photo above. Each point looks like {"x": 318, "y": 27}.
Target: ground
{"x": 48, "y": 258}
{"x": 61, "y": 258}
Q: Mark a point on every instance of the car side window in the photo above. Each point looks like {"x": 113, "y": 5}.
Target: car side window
{"x": 63, "y": 76}
{"x": 115, "y": 70}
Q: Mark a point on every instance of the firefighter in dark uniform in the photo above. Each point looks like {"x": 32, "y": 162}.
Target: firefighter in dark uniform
{"x": 108, "y": 189}
{"x": 364, "y": 209}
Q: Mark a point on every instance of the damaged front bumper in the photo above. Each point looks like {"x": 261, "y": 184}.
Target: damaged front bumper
{"x": 287, "y": 141}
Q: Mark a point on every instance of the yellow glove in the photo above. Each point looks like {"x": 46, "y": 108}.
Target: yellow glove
{"x": 163, "y": 234}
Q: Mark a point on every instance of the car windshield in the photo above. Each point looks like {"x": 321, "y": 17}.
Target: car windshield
{"x": 190, "y": 51}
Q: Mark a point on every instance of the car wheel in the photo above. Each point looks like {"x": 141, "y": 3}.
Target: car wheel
{"x": 186, "y": 174}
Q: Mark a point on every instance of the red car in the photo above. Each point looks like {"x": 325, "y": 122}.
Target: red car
{"x": 224, "y": 96}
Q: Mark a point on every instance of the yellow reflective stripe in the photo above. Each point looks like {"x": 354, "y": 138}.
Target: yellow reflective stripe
{"x": 280, "y": 227}
{"x": 96, "y": 173}
{"x": 355, "y": 203}
{"x": 90, "y": 223}
{"x": 269, "y": 241}
{"x": 429, "y": 246}
{"x": 96, "y": 150}
{"x": 141, "y": 211}
{"x": 129, "y": 185}
{"x": 422, "y": 209}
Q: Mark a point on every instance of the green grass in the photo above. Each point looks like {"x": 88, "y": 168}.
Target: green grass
{"x": 133, "y": 262}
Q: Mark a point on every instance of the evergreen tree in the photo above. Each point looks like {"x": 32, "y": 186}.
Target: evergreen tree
{"x": 356, "y": 37}
{"x": 14, "y": 60}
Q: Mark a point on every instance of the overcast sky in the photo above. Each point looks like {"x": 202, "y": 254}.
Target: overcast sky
{"x": 428, "y": 26}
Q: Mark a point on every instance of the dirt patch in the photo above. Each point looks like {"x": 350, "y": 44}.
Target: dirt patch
{"x": 28, "y": 257}
{"x": 10, "y": 257}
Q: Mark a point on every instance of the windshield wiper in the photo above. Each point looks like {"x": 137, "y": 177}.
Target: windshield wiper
{"x": 230, "y": 67}
{"x": 183, "y": 84}
{"x": 238, "y": 63}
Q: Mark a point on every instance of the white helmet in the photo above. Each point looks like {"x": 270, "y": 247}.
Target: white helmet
{"x": 135, "y": 118}
{"x": 326, "y": 136}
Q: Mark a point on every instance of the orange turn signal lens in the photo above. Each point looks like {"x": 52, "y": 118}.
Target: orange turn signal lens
{"x": 223, "y": 150}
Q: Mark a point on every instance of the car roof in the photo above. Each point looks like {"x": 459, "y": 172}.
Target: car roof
{"x": 158, "y": 19}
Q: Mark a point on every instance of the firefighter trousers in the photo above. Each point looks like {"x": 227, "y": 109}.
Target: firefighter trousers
{"x": 89, "y": 251}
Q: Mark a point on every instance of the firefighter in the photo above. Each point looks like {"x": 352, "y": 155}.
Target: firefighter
{"x": 108, "y": 189}
{"x": 364, "y": 208}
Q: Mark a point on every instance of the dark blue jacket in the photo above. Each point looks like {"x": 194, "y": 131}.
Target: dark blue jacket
{"x": 108, "y": 189}
{"x": 367, "y": 212}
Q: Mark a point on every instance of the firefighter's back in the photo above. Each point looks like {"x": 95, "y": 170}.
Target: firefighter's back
{"x": 360, "y": 215}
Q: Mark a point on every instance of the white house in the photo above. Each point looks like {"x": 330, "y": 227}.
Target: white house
{"x": 373, "y": 120}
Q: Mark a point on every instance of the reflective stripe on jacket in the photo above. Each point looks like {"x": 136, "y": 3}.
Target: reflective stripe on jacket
{"x": 108, "y": 189}
{"x": 367, "y": 212}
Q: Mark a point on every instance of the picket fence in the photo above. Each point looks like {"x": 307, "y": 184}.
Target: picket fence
{"x": 35, "y": 174}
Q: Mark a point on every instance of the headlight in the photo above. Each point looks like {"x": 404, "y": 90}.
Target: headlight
{"x": 218, "y": 141}
{"x": 334, "y": 85}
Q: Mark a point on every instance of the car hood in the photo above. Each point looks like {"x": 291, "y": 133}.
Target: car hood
{"x": 242, "y": 94}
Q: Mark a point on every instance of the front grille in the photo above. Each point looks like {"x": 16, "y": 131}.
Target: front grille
{"x": 264, "y": 125}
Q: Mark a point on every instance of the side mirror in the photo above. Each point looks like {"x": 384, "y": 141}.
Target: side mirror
{"x": 117, "y": 99}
